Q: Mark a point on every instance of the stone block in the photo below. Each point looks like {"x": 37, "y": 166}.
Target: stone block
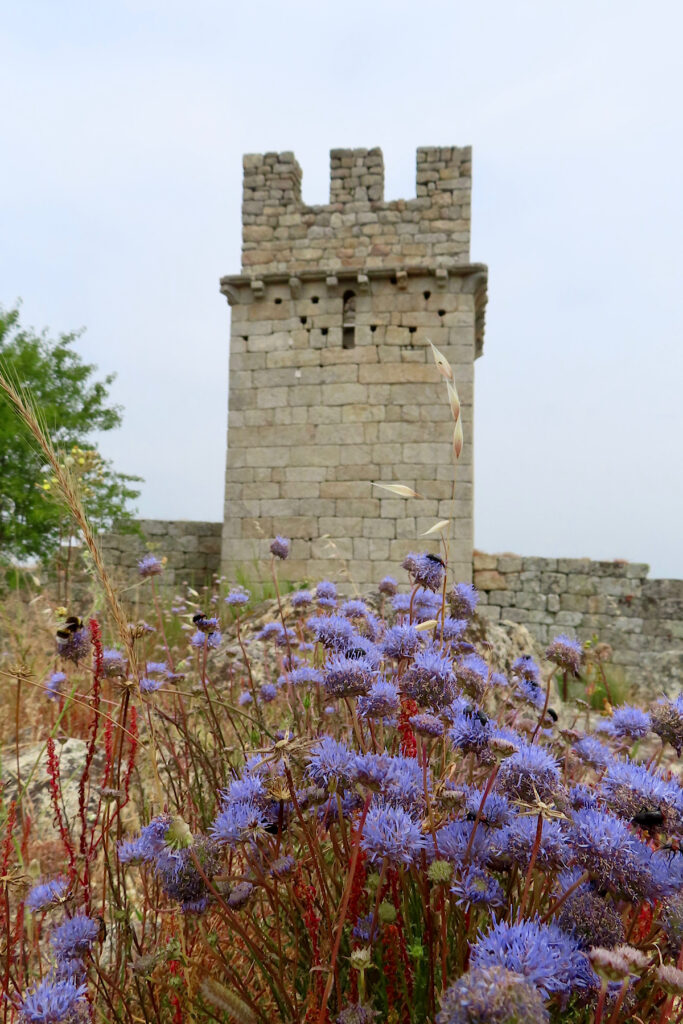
{"x": 489, "y": 579}
{"x": 479, "y": 559}
{"x": 509, "y": 563}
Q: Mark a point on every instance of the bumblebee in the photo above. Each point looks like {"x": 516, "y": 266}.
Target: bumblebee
{"x": 436, "y": 559}
{"x": 71, "y": 625}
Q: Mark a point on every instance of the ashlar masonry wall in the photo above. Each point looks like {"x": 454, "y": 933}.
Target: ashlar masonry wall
{"x": 332, "y": 382}
{"x": 641, "y": 619}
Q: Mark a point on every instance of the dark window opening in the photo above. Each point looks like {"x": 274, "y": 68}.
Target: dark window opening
{"x": 412, "y": 330}
{"x": 427, "y": 295}
{"x": 245, "y": 337}
{"x": 392, "y": 279}
{"x": 349, "y": 320}
{"x": 278, "y": 301}
{"x": 303, "y": 319}
{"x": 315, "y": 299}
{"x": 324, "y": 331}
{"x": 373, "y": 328}
{"x": 442, "y": 312}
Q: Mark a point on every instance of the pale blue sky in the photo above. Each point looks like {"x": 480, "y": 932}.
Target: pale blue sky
{"x": 123, "y": 129}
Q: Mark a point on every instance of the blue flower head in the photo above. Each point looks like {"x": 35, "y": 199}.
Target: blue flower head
{"x": 53, "y": 684}
{"x": 239, "y": 822}
{"x": 238, "y": 598}
{"x": 630, "y": 722}
{"x": 330, "y": 760}
{"x": 492, "y": 995}
{"x": 426, "y": 570}
{"x": 529, "y": 773}
{"x": 566, "y": 652}
{"x": 74, "y": 937}
{"x": 477, "y": 887}
{"x": 401, "y": 642}
{"x": 46, "y": 895}
{"x": 382, "y": 699}
{"x": 333, "y": 631}
{"x": 593, "y": 752}
{"x": 430, "y": 680}
{"x": 526, "y": 668}
{"x": 463, "y": 599}
{"x": 391, "y": 833}
{"x": 301, "y": 599}
{"x": 51, "y": 1001}
{"x": 280, "y": 547}
{"x": 542, "y": 953}
{"x": 348, "y": 677}
{"x": 388, "y": 586}
{"x": 150, "y": 566}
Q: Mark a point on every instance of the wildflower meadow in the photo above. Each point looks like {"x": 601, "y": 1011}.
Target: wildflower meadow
{"x": 338, "y": 810}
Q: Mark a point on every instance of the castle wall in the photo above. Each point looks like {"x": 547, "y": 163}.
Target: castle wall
{"x": 191, "y": 549}
{"x": 312, "y": 423}
{"x": 641, "y": 619}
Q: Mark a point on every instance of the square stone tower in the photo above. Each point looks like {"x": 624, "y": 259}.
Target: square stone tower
{"x": 332, "y": 381}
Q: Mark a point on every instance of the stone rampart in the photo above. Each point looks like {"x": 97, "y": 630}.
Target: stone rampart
{"x": 641, "y": 619}
{"x": 192, "y": 549}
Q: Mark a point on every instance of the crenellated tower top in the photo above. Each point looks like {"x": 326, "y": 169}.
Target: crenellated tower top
{"x": 357, "y": 229}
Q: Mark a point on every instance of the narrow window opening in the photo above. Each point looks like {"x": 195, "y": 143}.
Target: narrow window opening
{"x": 392, "y": 279}
{"x": 373, "y": 328}
{"x": 245, "y": 337}
{"x": 427, "y": 295}
{"x": 278, "y": 301}
{"x": 303, "y": 319}
{"x": 349, "y": 320}
{"x": 324, "y": 331}
{"x": 412, "y": 330}
{"x": 442, "y": 312}
{"x": 315, "y": 299}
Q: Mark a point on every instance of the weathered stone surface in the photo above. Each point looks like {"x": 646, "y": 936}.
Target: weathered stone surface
{"x": 489, "y": 579}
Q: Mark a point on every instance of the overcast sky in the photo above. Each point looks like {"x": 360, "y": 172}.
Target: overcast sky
{"x": 123, "y": 127}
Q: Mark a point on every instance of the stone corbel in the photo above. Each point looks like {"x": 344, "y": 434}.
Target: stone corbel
{"x": 402, "y": 280}
{"x": 363, "y": 283}
{"x": 257, "y": 288}
{"x": 332, "y": 282}
{"x": 295, "y": 287}
{"x": 441, "y": 275}
{"x": 231, "y": 293}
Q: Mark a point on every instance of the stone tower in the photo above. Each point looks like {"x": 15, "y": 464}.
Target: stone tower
{"x": 332, "y": 381}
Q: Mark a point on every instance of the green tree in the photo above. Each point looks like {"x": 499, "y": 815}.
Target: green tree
{"x": 33, "y": 524}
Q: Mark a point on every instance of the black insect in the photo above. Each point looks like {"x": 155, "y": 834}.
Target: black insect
{"x": 672, "y": 847}
{"x": 356, "y": 653}
{"x": 199, "y": 617}
{"x": 552, "y": 713}
{"x": 469, "y": 711}
{"x": 647, "y": 819}
{"x": 102, "y": 931}
{"x": 437, "y": 559}
{"x": 71, "y": 625}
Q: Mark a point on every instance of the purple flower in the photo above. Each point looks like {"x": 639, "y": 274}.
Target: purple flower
{"x": 528, "y": 773}
{"x": 472, "y": 675}
{"x": 430, "y": 680}
{"x": 401, "y": 642}
{"x": 180, "y": 878}
{"x": 46, "y": 895}
{"x": 517, "y": 840}
{"x": 401, "y": 603}
{"x": 478, "y": 887}
{"x": 593, "y": 752}
{"x": 52, "y": 1001}
{"x": 326, "y": 591}
{"x": 667, "y": 722}
{"x": 357, "y": 1013}
{"x": 391, "y": 833}
{"x": 426, "y": 570}
{"x": 591, "y": 919}
{"x": 542, "y": 953}
{"x": 238, "y": 823}
{"x": 268, "y": 692}
{"x": 492, "y": 995}
{"x": 280, "y": 547}
{"x": 427, "y": 725}
{"x": 150, "y": 566}
{"x": 628, "y": 721}
{"x": 526, "y": 668}
{"x": 75, "y": 646}
{"x": 628, "y": 787}
{"x": 283, "y": 867}
{"x": 149, "y": 844}
{"x": 332, "y": 631}
{"x": 529, "y": 691}
{"x": 426, "y": 605}
{"x": 398, "y": 779}
{"x": 52, "y": 691}
{"x": 307, "y": 674}
{"x": 330, "y": 760}
{"x": 566, "y": 653}
{"x": 348, "y": 677}
{"x": 150, "y": 685}
{"x": 497, "y": 810}
{"x": 463, "y": 599}
{"x": 301, "y": 599}
{"x": 615, "y": 858}
{"x": 388, "y": 586}
{"x": 382, "y": 699}
{"x": 470, "y": 728}
{"x": 237, "y": 598}
{"x": 453, "y": 629}
{"x": 244, "y": 698}
{"x": 75, "y": 937}
{"x": 354, "y": 609}
{"x": 211, "y": 641}
{"x": 113, "y": 663}
{"x": 453, "y": 839}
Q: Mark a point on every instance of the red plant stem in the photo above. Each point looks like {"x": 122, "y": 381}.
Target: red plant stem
{"x": 55, "y": 793}
{"x": 342, "y": 910}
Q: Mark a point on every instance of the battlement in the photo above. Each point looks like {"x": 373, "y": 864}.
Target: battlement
{"x": 358, "y": 229}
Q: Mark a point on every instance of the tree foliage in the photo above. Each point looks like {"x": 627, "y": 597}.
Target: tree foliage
{"x": 73, "y": 405}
